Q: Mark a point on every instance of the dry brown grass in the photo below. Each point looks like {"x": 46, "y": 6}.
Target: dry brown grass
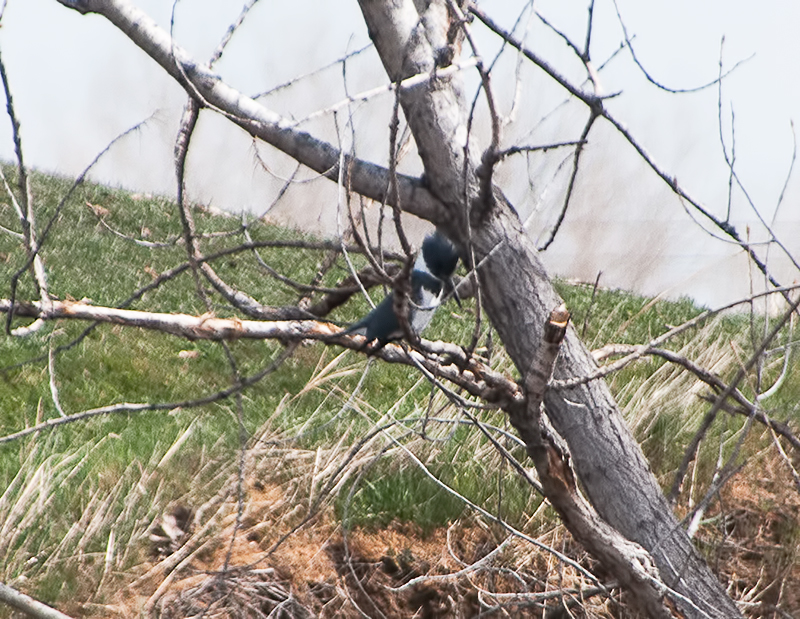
{"x": 324, "y": 570}
{"x": 752, "y": 539}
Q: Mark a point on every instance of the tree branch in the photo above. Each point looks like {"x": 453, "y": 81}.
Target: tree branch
{"x": 596, "y": 104}
{"x": 518, "y": 293}
{"x": 25, "y": 209}
{"x": 442, "y": 359}
{"x": 28, "y": 605}
{"x": 366, "y": 178}
{"x": 746, "y": 407}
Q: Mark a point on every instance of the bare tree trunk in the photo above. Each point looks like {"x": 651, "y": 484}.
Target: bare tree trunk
{"x": 519, "y": 296}
{"x": 609, "y": 463}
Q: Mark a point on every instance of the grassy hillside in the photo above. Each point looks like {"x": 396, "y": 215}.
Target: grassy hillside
{"x": 359, "y": 445}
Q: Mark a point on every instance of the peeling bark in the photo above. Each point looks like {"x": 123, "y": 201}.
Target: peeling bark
{"x": 628, "y": 561}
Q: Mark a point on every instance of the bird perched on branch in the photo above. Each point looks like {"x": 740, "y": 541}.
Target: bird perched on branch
{"x": 431, "y": 283}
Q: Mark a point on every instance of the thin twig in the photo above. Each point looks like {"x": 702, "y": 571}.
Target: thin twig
{"x": 513, "y": 150}
{"x": 655, "y": 342}
{"x": 230, "y": 32}
{"x": 691, "y": 450}
{"x": 305, "y": 76}
{"x": 54, "y": 217}
{"x": 746, "y": 407}
{"x": 51, "y": 371}
{"x": 127, "y": 407}
{"x": 406, "y": 84}
{"x": 655, "y": 82}
{"x": 594, "y": 101}
{"x": 593, "y": 115}
{"x": 490, "y": 155}
{"x": 25, "y": 209}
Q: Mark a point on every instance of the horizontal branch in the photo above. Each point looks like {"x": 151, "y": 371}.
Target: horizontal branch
{"x": 443, "y": 360}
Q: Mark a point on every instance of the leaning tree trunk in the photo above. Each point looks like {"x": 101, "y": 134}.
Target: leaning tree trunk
{"x": 518, "y": 296}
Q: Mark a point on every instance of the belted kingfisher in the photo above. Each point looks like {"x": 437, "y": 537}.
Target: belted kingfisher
{"x": 431, "y": 282}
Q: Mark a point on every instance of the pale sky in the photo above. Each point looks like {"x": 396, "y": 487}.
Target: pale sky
{"x": 77, "y": 82}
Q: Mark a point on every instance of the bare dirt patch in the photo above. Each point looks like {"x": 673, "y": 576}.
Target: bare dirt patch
{"x": 321, "y": 570}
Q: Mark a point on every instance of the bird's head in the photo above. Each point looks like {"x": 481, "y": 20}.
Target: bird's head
{"x": 439, "y": 256}
{"x": 440, "y": 259}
